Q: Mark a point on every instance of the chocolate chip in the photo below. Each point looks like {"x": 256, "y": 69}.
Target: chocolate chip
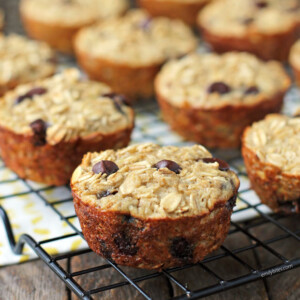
{"x": 223, "y": 165}
{"x": 106, "y": 252}
{"x": 39, "y": 128}
{"x": 261, "y": 4}
{"x": 128, "y": 219}
{"x": 289, "y": 207}
{"x": 105, "y": 166}
{"x": 118, "y": 100}
{"x": 30, "y": 94}
{"x": 169, "y": 164}
{"x": 124, "y": 244}
{"x": 252, "y": 90}
{"x": 230, "y": 204}
{"x": 181, "y": 248}
{"x": 219, "y": 87}
{"x": 105, "y": 194}
{"x": 247, "y": 21}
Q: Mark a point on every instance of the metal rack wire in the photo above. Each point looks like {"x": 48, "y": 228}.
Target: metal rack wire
{"x": 70, "y": 278}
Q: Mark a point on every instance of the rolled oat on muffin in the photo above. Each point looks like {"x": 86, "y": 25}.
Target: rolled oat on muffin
{"x": 185, "y": 10}
{"x": 210, "y": 98}
{"x": 154, "y": 207}
{"x": 127, "y": 52}
{"x": 48, "y": 125}
{"x": 57, "y": 21}
{"x": 294, "y": 61}
{"x": 266, "y": 28}
{"x": 23, "y": 60}
{"x": 271, "y": 151}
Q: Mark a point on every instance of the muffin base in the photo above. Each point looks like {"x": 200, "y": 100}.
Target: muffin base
{"x": 296, "y": 72}
{"x": 152, "y": 243}
{"x": 217, "y": 128}
{"x": 132, "y": 81}
{"x": 53, "y": 164}
{"x": 57, "y": 36}
{"x": 187, "y": 12}
{"x": 267, "y": 47}
{"x": 279, "y": 191}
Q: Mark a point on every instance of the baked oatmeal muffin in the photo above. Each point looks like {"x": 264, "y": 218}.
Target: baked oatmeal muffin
{"x": 295, "y": 61}
{"x": 272, "y": 157}
{"x": 210, "y": 98}
{"x": 23, "y": 60}
{"x": 185, "y": 10}
{"x": 57, "y": 21}
{"x": 127, "y": 52}
{"x": 154, "y": 207}
{"x": 266, "y": 28}
{"x": 47, "y": 126}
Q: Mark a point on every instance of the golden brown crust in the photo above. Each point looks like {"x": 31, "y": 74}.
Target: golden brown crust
{"x": 132, "y": 81}
{"x": 152, "y": 243}
{"x": 296, "y": 72}
{"x": 279, "y": 190}
{"x": 266, "y": 46}
{"x": 53, "y": 164}
{"x": 220, "y": 127}
{"x": 57, "y": 36}
{"x": 185, "y": 11}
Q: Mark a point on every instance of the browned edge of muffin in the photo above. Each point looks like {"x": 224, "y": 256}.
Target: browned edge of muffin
{"x": 220, "y": 127}
{"x": 266, "y": 46}
{"x": 278, "y": 190}
{"x": 296, "y": 73}
{"x": 58, "y": 36}
{"x": 132, "y": 81}
{"x": 54, "y": 164}
{"x": 153, "y": 243}
{"x": 187, "y": 12}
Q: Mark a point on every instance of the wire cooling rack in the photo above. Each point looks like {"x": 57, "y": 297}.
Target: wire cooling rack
{"x": 250, "y": 273}
{"x": 211, "y": 266}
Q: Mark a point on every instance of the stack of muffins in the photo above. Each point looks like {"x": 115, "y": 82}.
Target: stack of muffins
{"x": 145, "y": 205}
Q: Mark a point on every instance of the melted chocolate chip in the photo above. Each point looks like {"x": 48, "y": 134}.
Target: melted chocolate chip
{"x": 105, "y": 166}
{"x": 181, "y": 248}
{"x": 30, "y": 94}
{"x": 230, "y": 204}
{"x": 105, "y": 194}
{"x": 261, "y": 4}
{"x": 118, "y": 100}
{"x": 169, "y": 164}
{"x": 289, "y": 207}
{"x": 252, "y": 90}
{"x": 124, "y": 244}
{"x": 106, "y": 252}
{"x": 39, "y": 128}
{"x": 223, "y": 165}
{"x": 145, "y": 24}
{"x": 219, "y": 87}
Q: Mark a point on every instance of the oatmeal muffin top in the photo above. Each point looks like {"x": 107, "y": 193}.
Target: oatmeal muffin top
{"x": 245, "y": 17}
{"x": 64, "y": 107}
{"x": 295, "y": 55}
{"x": 150, "y": 181}
{"x": 137, "y": 39}
{"x": 276, "y": 140}
{"x": 72, "y": 12}
{"x": 23, "y": 60}
{"x": 212, "y": 80}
